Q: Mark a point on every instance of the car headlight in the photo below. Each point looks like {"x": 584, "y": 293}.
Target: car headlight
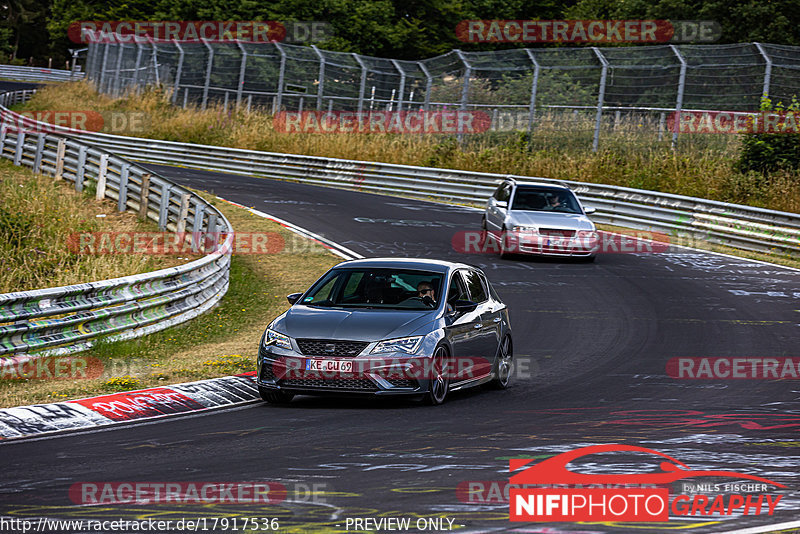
{"x": 401, "y": 344}
{"x": 525, "y": 229}
{"x": 279, "y": 340}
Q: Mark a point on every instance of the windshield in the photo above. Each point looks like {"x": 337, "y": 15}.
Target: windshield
{"x": 376, "y": 288}
{"x": 545, "y": 199}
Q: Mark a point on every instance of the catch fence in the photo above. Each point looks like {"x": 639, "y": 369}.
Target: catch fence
{"x": 585, "y": 92}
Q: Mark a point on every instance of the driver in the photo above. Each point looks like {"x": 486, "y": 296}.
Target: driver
{"x": 557, "y": 201}
{"x": 425, "y": 289}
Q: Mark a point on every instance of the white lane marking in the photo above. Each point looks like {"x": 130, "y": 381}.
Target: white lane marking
{"x": 334, "y": 247}
{"x": 765, "y": 528}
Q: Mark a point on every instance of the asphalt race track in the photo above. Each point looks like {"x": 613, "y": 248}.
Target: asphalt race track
{"x": 592, "y": 343}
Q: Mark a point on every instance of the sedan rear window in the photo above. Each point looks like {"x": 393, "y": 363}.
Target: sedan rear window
{"x": 376, "y": 288}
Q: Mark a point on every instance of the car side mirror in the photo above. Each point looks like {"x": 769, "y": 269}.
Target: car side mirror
{"x": 464, "y": 306}
{"x": 294, "y": 297}
{"x": 502, "y": 204}
{"x": 589, "y": 210}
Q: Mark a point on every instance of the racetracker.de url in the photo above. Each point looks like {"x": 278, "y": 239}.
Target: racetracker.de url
{"x": 124, "y": 526}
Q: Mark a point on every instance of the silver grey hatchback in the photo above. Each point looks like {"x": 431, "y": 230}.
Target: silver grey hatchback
{"x": 541, "y": 218}
{"x": 387, "y": 326}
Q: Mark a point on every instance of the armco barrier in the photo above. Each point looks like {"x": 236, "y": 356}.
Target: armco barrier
{"x": 38, "y": 74}
{"x": 689, "y": 218}
{"x": 70, "y": 318}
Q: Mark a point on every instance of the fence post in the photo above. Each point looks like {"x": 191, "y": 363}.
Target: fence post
{"x": 81, "y": 171}
{"x": 101, "y": 178}
{"x": 100, "y": 84}
{"x": 428, "y": 84}
{"x": 241, "y": 74}
{"x": 402, "y": 84}
{"x": 600, "y": 97}
{"x": 39, "y": 154}
{"x": 362, "y": 86}
{"x": 184, "y": 213}
{"x": 144, "y": 196}
{"x": 19, "y": 147}
{"x": 91, "y": 57}
{"x": 464, "y": 88}
{"x": 197, "y": 226}
{"x": 138, "y": 63}
{"x": 62, "y": 148}
{"x": 155, "y": 59}
{"x": 679, "y": 101}
{"x": 534, "y": 88}
{"x": 276, "y": 104}
{"x": 122, "y": 200}
{"x": 178, "y": 71}
{"x": 207, "y": 81}
{"x": 163, "y": 206}
{"x": 115, "y": 89}
{"x": 767, "y": 71}
{"x": 3, "y": 133}
{"x": 321, "y": 86}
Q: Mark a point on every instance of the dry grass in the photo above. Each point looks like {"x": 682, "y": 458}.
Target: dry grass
{"x": 37, "y": 216}
{"x": 702, "y": 166}
{"x": 222, "y": 342}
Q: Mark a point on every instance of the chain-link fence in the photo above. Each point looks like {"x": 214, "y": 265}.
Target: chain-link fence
{"x": 569, "y": 95}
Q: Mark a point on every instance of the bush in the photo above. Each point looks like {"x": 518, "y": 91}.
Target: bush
{"x": 765, "y": 153}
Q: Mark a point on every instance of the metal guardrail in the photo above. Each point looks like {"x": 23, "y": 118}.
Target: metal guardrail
{"x": 687, "y": 219}
{"x": 38, "y": 74}
{"x": 70, "y": 318}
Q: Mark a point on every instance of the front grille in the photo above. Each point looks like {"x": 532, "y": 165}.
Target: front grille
{"x": 353, "y": 384}
{"x": 331, "y": 347}
{"x": 557, "y": 232}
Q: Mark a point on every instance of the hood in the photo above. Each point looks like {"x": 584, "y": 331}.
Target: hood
{"x": 355, "y": 325}
{"x": 546, "y": 219}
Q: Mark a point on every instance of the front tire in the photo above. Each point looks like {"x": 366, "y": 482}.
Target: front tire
{"x": 275, "y": 396}
{"x": 504, "y": 252}
{"x": 439, "y": 383}
{"x": 502, "y": 364}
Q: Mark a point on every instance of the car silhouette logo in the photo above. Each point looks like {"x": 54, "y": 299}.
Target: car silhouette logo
{"x": 554, "y": 470}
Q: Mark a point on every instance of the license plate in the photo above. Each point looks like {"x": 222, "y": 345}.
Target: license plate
{"x": 556, "y": 242}
{"x": 344, "y": 366}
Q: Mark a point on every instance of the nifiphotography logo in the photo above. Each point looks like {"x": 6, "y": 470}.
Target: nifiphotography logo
{"x": 548, "y": 491}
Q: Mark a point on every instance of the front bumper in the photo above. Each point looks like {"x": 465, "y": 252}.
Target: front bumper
{"x": 542, "y": 245}
{"x": 369, "y": 376}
